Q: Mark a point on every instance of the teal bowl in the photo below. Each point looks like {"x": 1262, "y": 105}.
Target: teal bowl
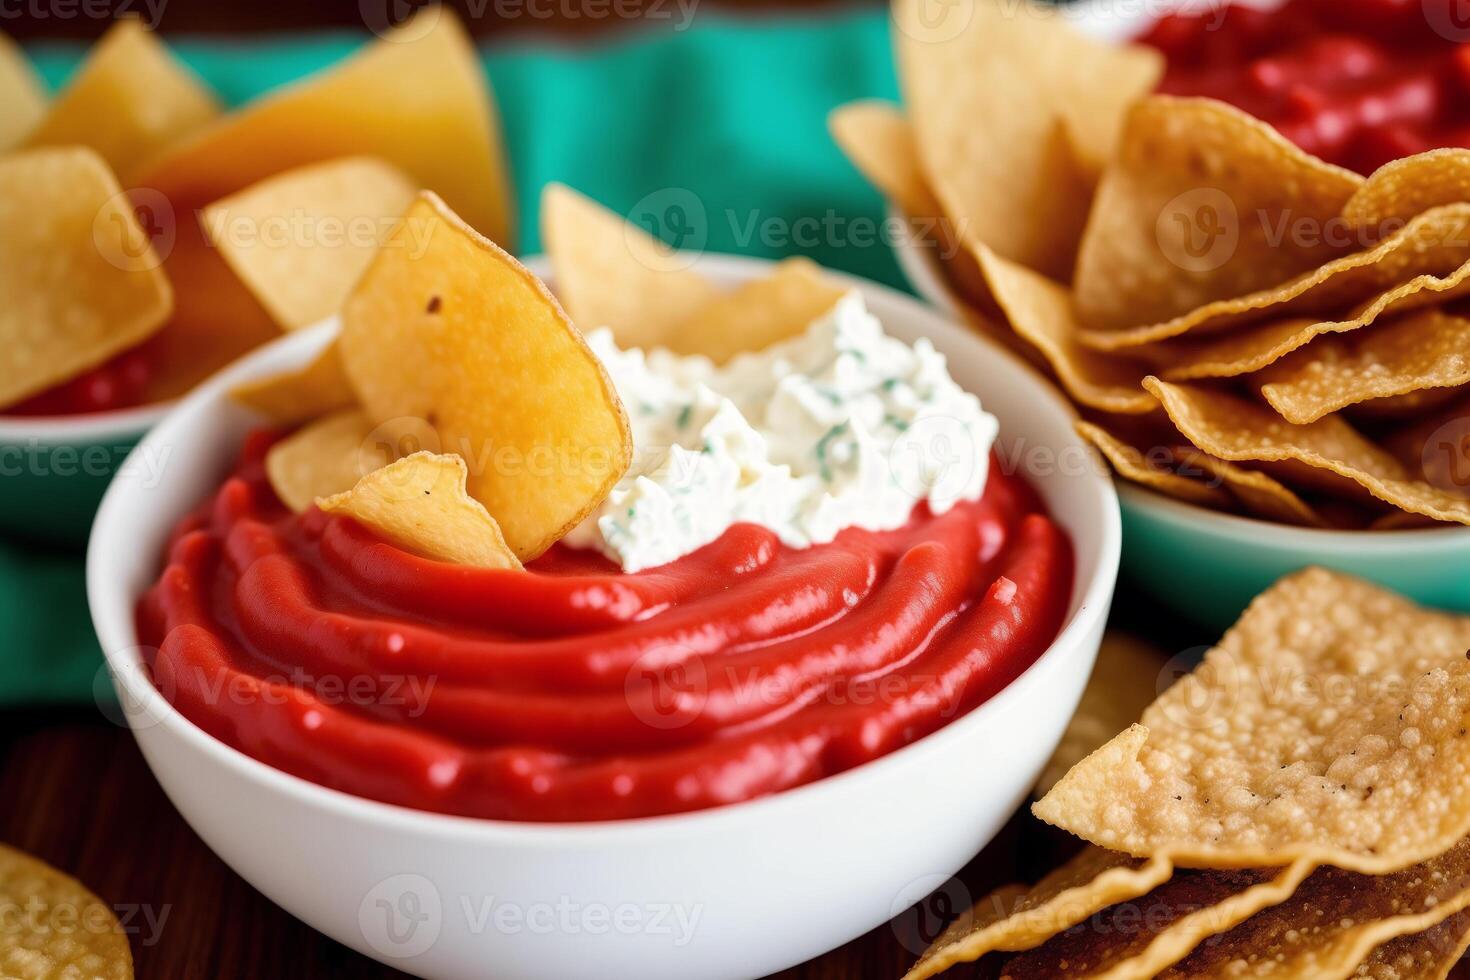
{"x": 1207, "y": 566}
{"x": 54, "y": 469}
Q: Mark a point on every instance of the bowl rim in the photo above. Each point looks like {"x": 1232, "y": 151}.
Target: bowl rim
{"x": 84, "y": 427}
{"x": 921, "y": 269}
{"x": 117, "y": 630}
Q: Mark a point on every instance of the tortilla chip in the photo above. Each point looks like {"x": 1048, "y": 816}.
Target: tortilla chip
{"x": 1428, "y": 955}
{"x": 419, "y": 503}
{"x": 1405, "y": 188}
{"x": 417, "y": 99}
{"x": 1153, "y": 470}
{"x": 22, "y": 99}
{"x": 292, "y": 397}
{"x": 1192, "y": 210}
{"x": 1434, "y": 246}
{"x": 79, "y": 276}
{"x": 1233, "y": 429}
{"x": 324, "y": 458}
{"x": 1430, "y": 349}
{"x": 761, "y": 312}
{"x": 1258, "y": 493}
{"x": 459, "y": 334}
{"x": 1040, "y": 310}
{"x": 129, "y": 100}
{"x": 1015, "y": 113}
{"x": 611, "y": 273}
{"x": 1326, "y": 725}
{"x": 1093, "y": 880}
{"x": 55, "y": 927}
{"x": 301, "y": 240}
{"x": 1125, "y": 680}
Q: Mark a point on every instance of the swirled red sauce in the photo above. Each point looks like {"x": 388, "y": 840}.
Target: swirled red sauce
{"x": 121, "y": 382}
{"x": 573, "y": 691}
{"x": 1355, "y": 82}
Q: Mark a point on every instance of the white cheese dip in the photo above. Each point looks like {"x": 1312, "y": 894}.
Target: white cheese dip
{"x": 842, "y": 426}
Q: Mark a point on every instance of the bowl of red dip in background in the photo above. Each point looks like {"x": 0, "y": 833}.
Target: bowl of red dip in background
{"x": 554, "y": 763}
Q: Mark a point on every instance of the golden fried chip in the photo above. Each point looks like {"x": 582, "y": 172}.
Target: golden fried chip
{"x": 759, "y": 313}
{"x": 22, "y": 99}
{"x": 1428, "y": 955}
{"x": 419, "y": 503}
{"x": 1196, "y": 209}
{"x": 326, "y": 457}
{"x": 1014, "y": 114}
{"x": 448, "y": 328}
{"x": 1334, "y": 921}
{"x": 611, "y": 273}
{"x": 129, "y": 100}
{"x": 1093, "y": 880}
{"x": 1400, "y": 190}
{"x": 301, "y": 240}
{"x": 305, "y": 393}
{"x": 418, "y": 99}
{"x": 1429, "y": 349}
{"x": 1424, "y": 262}
{"x": 1126, "y": 678}
{"x": 1040, "y": 311}
{"x": 1326, "y": 726}
{"x": 78, "y": 275}
{"x": 1141, "y": 937}
{"x": 1153, "y": 470}
{"x": 54, "y": 927}
{"x": 1233, "y": 429}
{"x": 1258, "y": 493}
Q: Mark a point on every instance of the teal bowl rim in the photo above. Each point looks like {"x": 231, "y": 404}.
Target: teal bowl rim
{"x": 89, "y": 427}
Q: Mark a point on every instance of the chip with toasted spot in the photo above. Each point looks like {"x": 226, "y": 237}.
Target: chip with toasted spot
{"x": 55, "y": 927}
{"x": 1234, "y": 429}
{"x": 22, "y": 99}
{"x": 1435, "y": 245}
{"x": 611, "y": 273}
{"x": 759, "y": 313}
{"x": 419, "y": 503}
{"x": 1428, "y": 349}
{"x": 418, "y": 98}
{"x": 1093, "y": 880}
{"x": 1328, "y": 724}
{"x": 446, "y": 327}
{"x": 1404, "y": 188}
{"x": 129, "y": 100}
{"x": 301, "y": 240}
{"x": 302, "y": 394}
{"x": 1014, "y": 114}
{"x": 323, "y": 458}
{"x": 1189, "y": 212}
{"x": 79, "y": 277}
{"x": 1259, "y": 493}
{"x": 1153, "y": 469}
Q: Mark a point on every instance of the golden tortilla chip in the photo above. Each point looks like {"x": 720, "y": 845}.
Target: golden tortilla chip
{"x": 55, "y": 927}
{"x": 1258, "y": 493}
{"x": 1425, "y": 262}
{"x": 1233, "y": 429}
{"x": 1430, "y": 349}
{"x": 1428, "y": 955}
{"x": 324, "y": 458}
{"x": 1405, "y": 188}
{"x": 22, "y": 99}
{"x": 1153, "y": 470}
{"x": 1015, "y": 113}
{"x": 1327, "y": 726}
{"x": 420, "y": 504}
{"x": 759, "y": 313}
{"x": 291, "y": 397}
{"x": 1093, "y": 880}
{"x": 1197, "y": 208}
{"x": 301, "y": 240}
{"x": 1127, "y": 677}
{"x": 1040, "y": 310}
{"x": 417, "y": 99}
{"x": 129, "y": 100}
{"x": 78, "y": 275}
{"x": 459, "y": 334}
{"x": 611, "y": 273}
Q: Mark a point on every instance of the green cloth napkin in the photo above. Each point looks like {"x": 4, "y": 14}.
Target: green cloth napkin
{"x": 718, "y": 131}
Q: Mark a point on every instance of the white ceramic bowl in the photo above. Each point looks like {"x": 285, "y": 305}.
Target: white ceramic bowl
{"x": 765, "y": 884}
